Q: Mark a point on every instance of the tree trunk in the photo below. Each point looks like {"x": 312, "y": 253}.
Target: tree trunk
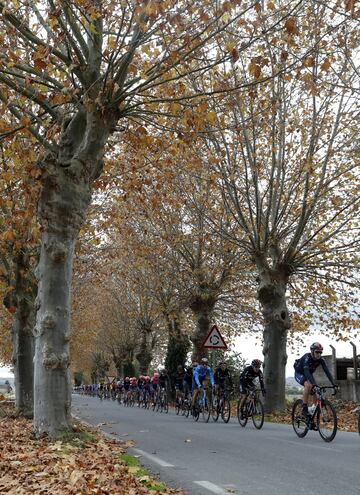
{"x": 63, "y": 202}
{"x": 178, "y": 346}
{"x": 202, "y": 309}
{"x": 271, "y": 295}
{"x": 23, "y": 298}
{"x": 145, "y": 353}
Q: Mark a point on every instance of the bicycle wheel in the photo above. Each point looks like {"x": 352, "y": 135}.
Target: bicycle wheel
{"x": 166, "y": 406}
{"x": 242, "y": 419}
{"x": 258, "y": 414}
{"x": 327, "y": 421}
{"x": 298, "y": 420}
{"x": 226, "y": 411}
{"x": 177, "y": 407}
{"x": 215, "y": 409}
{"x": 206, "y": 411}
{"x": 187, "y": 407}
{"x": 196, "y": 412}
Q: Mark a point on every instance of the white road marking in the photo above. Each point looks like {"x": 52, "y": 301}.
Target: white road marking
{"x": 212, "y": 487}
{"x": 153, "y": 458}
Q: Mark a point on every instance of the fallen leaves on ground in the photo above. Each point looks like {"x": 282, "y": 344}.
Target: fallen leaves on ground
{"x": 88, "y": 464}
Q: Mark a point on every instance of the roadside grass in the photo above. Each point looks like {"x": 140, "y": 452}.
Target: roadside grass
{"x": 133, "y": 466}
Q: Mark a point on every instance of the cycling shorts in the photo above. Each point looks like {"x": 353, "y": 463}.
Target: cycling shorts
{"x": 246, "y": 387}
{"x": 300, "y": 378}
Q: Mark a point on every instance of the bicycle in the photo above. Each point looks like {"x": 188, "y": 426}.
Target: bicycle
{"x": 178, "y": 404}
{"x": 201, "y": 406}
{"x": 186, "y": 405}
{"x": 221, "y": 405}
{"x": 322, "y": 419}
{"x": 163, "y": 404}
{"x": 253, "y": 408}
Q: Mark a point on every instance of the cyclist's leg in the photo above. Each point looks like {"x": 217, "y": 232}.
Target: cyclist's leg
{"x": 243, "y": 394}
{"x": 307, "y": 391}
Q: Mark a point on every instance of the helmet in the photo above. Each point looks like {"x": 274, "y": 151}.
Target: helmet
{"x": 126, "y": 378}
{"x": 204, "y": 360}
{"x": 142, "y": 377}
{"x": 147, "y": 378}
{"x": 316, "y": 346}
{"x": 256, "y": 363}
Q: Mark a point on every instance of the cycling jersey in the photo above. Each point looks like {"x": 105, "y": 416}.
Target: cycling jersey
{"x": 220, "y": 376}
{"x": 306, "y": 366}
{"x": 188, "y": 376}
{"x": 163, "y": 380}
{"x": 179, "y": 380}
{"x": 247, "y": 378}
{"x": 200, "y": 373}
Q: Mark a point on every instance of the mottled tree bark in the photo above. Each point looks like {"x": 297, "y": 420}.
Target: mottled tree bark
{"x": 178, "y": 345}
{"x": 23, "y": 298}
{"x": 271, "y": 294}
{"x": 202, "y": 308}
{"x": 63, "y": 202}
{"x": 145, "y": 352}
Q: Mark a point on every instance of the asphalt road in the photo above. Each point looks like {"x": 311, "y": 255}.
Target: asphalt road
{"x": 219, "y": 458}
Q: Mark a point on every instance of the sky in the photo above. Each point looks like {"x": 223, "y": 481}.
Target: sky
{"x": 251, "y": 348}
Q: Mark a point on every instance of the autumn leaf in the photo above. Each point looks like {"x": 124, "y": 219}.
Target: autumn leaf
{"x": 325, "y": 66}
{"x": 291, "y": 26}
{"x": 211, "y": 117}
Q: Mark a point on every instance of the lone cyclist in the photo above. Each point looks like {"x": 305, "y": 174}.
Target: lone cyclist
{"x": 304, "y": 369}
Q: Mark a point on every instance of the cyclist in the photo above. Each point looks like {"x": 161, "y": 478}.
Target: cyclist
{"x": 200, "y": 375}
{"x": 154, "y": 385}
{"x": 304, "y": 369}
{"x": 179, "y": 382}
{"x": 8, "y": 387}
{"x": 133, "y": 388}
{"x": 188, "y": 379}
{"x": 163, "y": 379}
{"x": 247, "y": 378}
{"x": 147, "y": 389}
{"x": 221, "y": 377}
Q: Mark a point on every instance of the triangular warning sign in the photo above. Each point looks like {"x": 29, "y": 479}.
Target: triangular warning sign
{"x": 214, "y": 339}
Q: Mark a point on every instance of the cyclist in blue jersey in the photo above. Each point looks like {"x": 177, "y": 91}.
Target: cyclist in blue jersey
{"x": 200, "y": 375}
{"x": 304, "y": 369}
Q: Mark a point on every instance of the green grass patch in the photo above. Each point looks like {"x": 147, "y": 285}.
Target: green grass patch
{"x": 133, "y": 464}
{"x": 158, "y": 487}
{"x": 129, "y": 460}
{"x": 76, "y": 438}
